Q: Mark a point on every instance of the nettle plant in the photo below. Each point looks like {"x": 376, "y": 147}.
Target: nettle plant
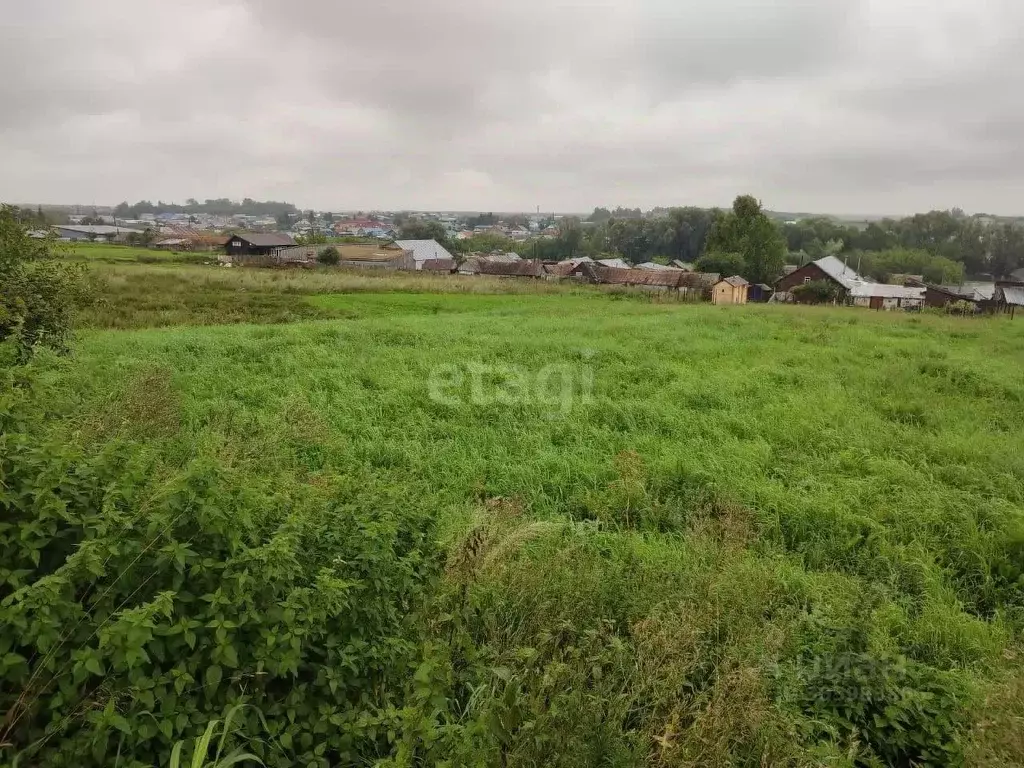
{"x": 136, "y": 606}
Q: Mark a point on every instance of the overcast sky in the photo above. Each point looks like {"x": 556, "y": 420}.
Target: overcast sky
{"x": 843, "y": 106}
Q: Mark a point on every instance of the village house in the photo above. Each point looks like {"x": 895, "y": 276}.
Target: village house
{"x": 851, "y": 287}
{"x": 425, "y": 250}
{"x": 730, "y": 290}
{"x": 242, "y": 246}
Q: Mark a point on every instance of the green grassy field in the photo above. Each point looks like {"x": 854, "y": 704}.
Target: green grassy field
{"x": 666, "y": 534}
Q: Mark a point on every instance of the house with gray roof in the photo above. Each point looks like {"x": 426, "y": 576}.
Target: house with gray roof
{"x": 424, "y": 250}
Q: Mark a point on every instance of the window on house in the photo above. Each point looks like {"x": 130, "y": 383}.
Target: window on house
{"x": 807, "y": 279}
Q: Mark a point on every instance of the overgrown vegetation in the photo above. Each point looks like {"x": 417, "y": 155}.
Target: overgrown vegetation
{"x": 37, "y": 291}
{"x": 774, "y": 535}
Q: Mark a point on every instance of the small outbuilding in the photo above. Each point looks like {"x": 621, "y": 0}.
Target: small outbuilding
{"x": 1009, "y": 297}
{"x": 730, "y": 290}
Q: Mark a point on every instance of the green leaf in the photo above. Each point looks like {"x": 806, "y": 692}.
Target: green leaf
{"x": 213, "y": 677}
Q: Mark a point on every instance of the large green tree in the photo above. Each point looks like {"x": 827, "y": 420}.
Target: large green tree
{"x": 746, "y": 230}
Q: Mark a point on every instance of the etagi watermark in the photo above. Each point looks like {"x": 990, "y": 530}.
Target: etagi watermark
{"x": 556, "y": 386}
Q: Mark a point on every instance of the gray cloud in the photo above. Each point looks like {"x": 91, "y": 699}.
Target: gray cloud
{"x": 868, "y": 106}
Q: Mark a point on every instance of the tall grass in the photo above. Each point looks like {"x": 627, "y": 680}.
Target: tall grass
{"x": 773, "y": 535}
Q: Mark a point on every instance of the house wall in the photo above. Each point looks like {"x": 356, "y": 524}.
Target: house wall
{"x": 724, "y": 293}
{"x": 806, "y": 274}
{"x": 934, "y": 298}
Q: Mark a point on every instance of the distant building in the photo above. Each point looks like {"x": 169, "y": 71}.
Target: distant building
{"x": 615, "y": 263}
{"x": 102, "y": 233}
{"x": 730, "y": 290}
{"x": 425, "y": 250}
{"x": 242, "y": 245}
{"x": 443, "y": 266}
{"x": 358, "y": 255}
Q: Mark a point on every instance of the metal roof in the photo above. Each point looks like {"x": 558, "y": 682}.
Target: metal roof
{"x": 424, "y": 250}
{"x": 523, "y": 268}
{"x": 97, "y": 229}
{"x": 615, "y": 263}
{"x": 972, "y": 291}
{"x": 735, "y": 281}
{"x": 840, "y": 272}
{"x": 618, "y": 276}
{"x": 265, "y": 239}
{"x": 656, "y": 266}
{"x": 1013, "y": 294}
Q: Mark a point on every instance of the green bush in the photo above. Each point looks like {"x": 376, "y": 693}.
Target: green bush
{"x": 329, "y": 256}
{"x": 133, "y": 613}
{"x": 902, "y": 712}
{"x": 816, "y": 292}
{"x": 37, "y": 293}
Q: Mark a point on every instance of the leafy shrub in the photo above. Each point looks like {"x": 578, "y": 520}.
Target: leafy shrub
{"x": 37, "y": 294}
{"x": 902, "y": 712}
{"x": 816, "y": 292}
{"x": 133, "y": 615}
{"x": 329, "y": 256}
{"x": 960, "y": 308}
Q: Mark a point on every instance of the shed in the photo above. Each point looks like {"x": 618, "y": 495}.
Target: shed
{"x": 730, "y": 290}
{"x": 683, "y": 265}
{"x": 1009, "y": 297}
{"x": 759, "y": 292}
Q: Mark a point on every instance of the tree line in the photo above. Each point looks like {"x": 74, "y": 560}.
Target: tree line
{"x": 941, "y": 246}
{"x": 218, "y": 207}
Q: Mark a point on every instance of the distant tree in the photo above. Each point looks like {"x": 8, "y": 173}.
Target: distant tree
{"x": 283, "y": 220}
{"x": 1006, "y": 250}
{"x": 311, "y": 216}
{"x": 748, "y": 231}
{"x": 909, "y": 261}
{"x": 414, "y": 229}
{"x": 631, "y": 239}
{"x": 600, "y": 215}
{"x": 329, "y": 256}
{"x": 312, "y": 238}
{"x": 726, "y": 264}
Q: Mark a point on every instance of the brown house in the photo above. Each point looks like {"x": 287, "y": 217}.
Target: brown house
{"x": 829, "y": 269}
{"x": 241, "y": 245}
{"x": 730, "y": 290}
